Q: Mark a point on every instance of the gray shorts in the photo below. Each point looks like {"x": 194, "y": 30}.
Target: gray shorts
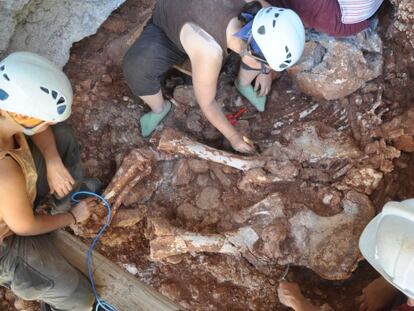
{"x": 148, "y": 59}
{"x": 34, "y": 270}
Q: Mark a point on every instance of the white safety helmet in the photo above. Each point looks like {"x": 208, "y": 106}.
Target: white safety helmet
{"x": 387, "y": 243}
{"x": 280, "y": 35}
{"x": 33, "y": 86}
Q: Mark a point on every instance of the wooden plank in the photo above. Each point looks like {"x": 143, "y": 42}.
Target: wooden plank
{"x": 119, "y": 288}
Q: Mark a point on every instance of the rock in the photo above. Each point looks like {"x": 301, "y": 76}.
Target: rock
{"x": 9, "y": 296}
{"x": 106, "y": 79}
{"x": 184, "y": 94}
{"x": 198, "y": 166}
{"x": 233, "y": 271}
{"x": 24, "y": 305}
{"x": 203, "y": 180}
{"x": 381, "y": 155}
{"x": 182, "y": 173}
{"x": 116, "y": 239}
{"x": 217, "y": 170}
{"x": 8, "y": 22}
{"x": 209, "y": 198}
{"x": 49, "y": 28}
{"x": 284, "y": 170}
{"x": 194, "y": 122}
{"x": 115, "y": 25}
{"x": 400, "y": 131}
{"x": 405, "y": 19}
{"x": 365, "y": 180}
{"x": 131, "y": 268}
{"x": 140, "y": 194}
{"x": 334, "y": 69}
{"x": 255, "y": 180}
{"x": 330, "y": 197}
{"x": 128, "y": 217}
{"x": 274, "y": 236}
{"x": 190, "y": 213}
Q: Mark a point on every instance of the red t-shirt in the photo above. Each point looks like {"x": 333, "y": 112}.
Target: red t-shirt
{"x": 404, "y": 307}
{"x": 322, "y": 15}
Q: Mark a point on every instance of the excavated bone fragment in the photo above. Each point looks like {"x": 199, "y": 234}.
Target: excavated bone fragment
{"x": 136, "y": 165}
{"x": 263, "y": 212}
{"x": 174, "y": 142}
{"x": 329, "y": 245}
{"x": 314, "y": 141}
{"x": 269, "y": 233}
{"x": 400, "y": 131}
{"x": 167, "y": 240}
{"x": 257, "y": 178}
{"x": 364, "y": 179}
{"x": 128, "y": 217}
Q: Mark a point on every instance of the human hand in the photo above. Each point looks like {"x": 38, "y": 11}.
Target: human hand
{"x": 289, "y": 294}
{"x": 240, "y": 145}
{"x": 264, "y": 83}
{"x": 82, "y": 210}
{"x": 59, "y": 179}
{"x": 377, "y": 295}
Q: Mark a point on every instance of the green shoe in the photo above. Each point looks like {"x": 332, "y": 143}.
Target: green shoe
{"x": 150, "y": 120}
{"x": 248, "y": 91}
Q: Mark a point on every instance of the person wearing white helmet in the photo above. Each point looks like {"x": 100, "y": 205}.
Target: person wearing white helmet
{"x": 266, "y": 38}
{"x": 387, "y": 243}
{"x": 35, "y": 94}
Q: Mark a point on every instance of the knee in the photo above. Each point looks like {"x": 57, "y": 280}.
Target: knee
{"x": 83, "y": 295}
{"x": 65, "y": 137}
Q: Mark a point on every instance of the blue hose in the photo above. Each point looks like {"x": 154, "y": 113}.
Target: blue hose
{"x": 99, "y": 302}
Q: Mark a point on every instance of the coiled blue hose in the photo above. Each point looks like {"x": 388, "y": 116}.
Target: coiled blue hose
{"x": 99, "y": 302}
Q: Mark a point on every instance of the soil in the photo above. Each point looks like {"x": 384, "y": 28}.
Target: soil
{"x": 105, "y": 117}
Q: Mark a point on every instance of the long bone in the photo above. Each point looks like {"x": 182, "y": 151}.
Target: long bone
{"x": 174, "y": 142}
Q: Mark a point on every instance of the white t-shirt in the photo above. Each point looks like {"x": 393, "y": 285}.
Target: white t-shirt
{"x": 355, "y": 11}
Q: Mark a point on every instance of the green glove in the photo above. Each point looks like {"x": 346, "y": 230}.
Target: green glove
{"x": 150, "y": 120}
{"x": 248, "y": 91}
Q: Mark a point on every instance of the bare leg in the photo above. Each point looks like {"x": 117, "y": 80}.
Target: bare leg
{"x": 246, "y": 77}
{"x": 291, "y": 296}
{"x": 377, "y": 295}
{"x": 156, "y": 102}
{"x": 243, "y": 84}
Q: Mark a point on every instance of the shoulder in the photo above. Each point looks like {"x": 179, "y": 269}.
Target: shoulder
{"x": 200, "y": 43}
{"x": 12, "y": 180}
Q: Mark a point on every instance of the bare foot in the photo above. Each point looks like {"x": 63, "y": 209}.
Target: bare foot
{"x": 290, "y": 296}
{"x": 377, "y": 295}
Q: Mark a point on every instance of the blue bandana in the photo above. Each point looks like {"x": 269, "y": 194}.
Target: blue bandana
{"x": 246, "y": 34}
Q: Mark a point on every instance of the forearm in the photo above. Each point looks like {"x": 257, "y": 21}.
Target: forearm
{"x": 42, "y": 224}
{"x": 215, "y": 115}
{"x": 45, "y": 142}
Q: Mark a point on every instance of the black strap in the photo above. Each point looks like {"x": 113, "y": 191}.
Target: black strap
{"x": 247, "y": 67}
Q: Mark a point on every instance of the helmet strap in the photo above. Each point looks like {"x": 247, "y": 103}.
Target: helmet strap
{"x": 28, "y": 132}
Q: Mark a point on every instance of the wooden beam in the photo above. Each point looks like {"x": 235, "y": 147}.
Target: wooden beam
{"x": 119, "y": 288}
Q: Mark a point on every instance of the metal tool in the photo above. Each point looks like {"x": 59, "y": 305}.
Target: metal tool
{"x": 233, "y": 117}
{"x": 283, "y": 278}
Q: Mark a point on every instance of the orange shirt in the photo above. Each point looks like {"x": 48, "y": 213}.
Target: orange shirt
{"x": 23, "y": 156}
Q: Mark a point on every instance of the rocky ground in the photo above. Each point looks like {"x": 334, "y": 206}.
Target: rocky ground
{"x": 319, "y": 158}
